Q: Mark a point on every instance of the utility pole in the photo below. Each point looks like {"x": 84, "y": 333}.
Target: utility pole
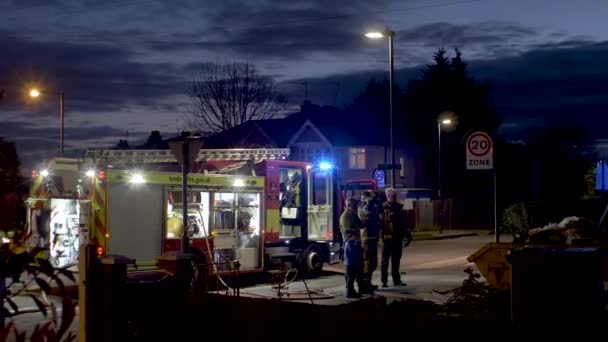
{"x": 391, "y": 35}
{"x": 185, "y": 150}
{"x": 61, "y": 119}
{"x": 185, "y": 169}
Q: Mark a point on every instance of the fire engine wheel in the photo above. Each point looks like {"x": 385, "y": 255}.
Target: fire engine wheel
{"x": 312, "y": 262}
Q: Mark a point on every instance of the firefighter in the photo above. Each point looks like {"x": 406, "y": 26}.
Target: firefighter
{"x": 349, "y": 220}
{"x": 369, "y": 213}
{"x": 350, "y": 226}
{"x": 394, "y": 232}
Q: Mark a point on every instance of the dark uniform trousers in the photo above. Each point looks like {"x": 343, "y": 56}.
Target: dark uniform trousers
{"x": 392, "y": 251}
{"x": 354, "y": 273}
{"x": 370, "y": 257}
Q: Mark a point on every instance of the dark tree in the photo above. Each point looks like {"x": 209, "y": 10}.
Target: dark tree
{"x": 445, "y": 87}
{"x": 155, "y": 141}
{"x": 372, "y": 105}
{"x": 11, "y": 187}
{"x": 229, "y": 94}
{"x": 563, "y": 158}
{"x": 122, "y": 145}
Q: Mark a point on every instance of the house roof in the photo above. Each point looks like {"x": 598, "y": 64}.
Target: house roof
{"x": 344, "y": 128}
{"x": 341, "y": 128}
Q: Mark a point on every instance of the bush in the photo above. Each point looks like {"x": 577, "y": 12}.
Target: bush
{"x": 13, "y": 266}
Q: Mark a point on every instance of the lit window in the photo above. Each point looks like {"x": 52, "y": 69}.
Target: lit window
{"x": 356, "y": 158}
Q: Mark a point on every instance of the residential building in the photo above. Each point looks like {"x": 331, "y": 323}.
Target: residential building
{"x": 327, "y": 134}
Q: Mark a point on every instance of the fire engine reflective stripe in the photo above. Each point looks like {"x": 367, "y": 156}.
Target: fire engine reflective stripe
{"x": 272, "y": 225}
{"x": 135, "y": 220}
{"x": 98, "y": 214}
{"x": 97, "y": 196}
{"x": 36, "y": 187}
{"x": 116, "y": 176}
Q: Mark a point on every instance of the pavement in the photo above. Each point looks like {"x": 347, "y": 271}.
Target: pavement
{"x": 448, "y": 234}
{"x": 433, "y": 262}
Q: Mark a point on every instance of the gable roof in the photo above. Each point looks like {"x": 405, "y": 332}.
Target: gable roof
{"x": 308, "y": 130}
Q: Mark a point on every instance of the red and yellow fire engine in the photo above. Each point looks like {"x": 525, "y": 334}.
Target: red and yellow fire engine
{"x": 250, "y": 205}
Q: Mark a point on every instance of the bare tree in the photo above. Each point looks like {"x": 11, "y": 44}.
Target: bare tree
{"x": 229, "y": 94}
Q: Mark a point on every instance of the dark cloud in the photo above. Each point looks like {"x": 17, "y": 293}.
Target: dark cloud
{"x": 339, "y": 90}
{"x": 446, "y": 34}
{"x": 558, "y": 83}
{"x": 262, "y": 29}
{"x": 95, "y": 78}
{"x": 25, "y": 130}
{"x": 136, "y": 58}
{"x": 35, "y": 143}
{"x": 487, "y": 39}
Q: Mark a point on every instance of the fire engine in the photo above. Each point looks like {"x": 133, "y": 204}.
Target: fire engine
{"x": 250, "y": 205}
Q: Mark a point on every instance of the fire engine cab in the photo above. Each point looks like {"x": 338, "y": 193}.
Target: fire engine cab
{"x": 250, "y": 205}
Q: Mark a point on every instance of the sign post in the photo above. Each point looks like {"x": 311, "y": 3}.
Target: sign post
{"x": 480, "y": 156}
{"x": 185, "y": 152}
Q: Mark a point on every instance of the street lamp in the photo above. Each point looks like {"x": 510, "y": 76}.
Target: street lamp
{"x": 390, "y": 34}
{"x": 445, "y": 122}
{"x": 36, "y": 93}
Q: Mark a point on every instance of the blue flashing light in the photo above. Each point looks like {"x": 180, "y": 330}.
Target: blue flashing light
{"x": 325, "y": 166}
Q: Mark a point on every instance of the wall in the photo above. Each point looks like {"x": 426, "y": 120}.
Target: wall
{"x": 375, "y": 155}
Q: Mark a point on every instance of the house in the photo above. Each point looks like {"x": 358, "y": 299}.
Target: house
{"x": 327, "y": 134}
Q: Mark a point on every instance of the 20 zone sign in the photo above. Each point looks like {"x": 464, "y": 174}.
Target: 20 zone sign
{"x": 479, "y": 152}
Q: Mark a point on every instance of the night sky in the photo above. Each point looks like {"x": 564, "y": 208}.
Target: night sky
{"x": 125, "y": 65}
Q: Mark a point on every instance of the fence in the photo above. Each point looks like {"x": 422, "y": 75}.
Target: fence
{"x": 429, "y": 214}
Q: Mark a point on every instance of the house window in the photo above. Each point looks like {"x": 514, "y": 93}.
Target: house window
{"x": 356, "y": 158}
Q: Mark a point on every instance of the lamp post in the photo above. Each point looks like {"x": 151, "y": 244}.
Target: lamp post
{"x": 445, "y": 122}
{"x": 36, "y": 93}
{"x": 390, "y": 34}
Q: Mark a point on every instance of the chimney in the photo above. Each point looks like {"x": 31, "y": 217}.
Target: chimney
{"x": 309, "y": 108}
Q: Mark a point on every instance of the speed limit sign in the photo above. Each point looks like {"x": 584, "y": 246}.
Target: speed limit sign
{"x": 479, "y": 152}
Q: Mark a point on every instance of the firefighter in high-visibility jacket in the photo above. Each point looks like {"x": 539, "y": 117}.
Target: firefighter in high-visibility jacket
{"x": 349, "y": 220}
{"x": 351, "y": 226}
{"x": 369, "y": 212}
{"x": 395, "y": 237}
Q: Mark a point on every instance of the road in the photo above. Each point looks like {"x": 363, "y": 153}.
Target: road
{"x": 427, "y": 266}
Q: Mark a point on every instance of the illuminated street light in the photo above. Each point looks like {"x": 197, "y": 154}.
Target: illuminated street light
{"x": 445, "y": 122}
{"x": 36, "y": 93}
{"x": 374, "y": 35}
{"x": 391, "y": 35}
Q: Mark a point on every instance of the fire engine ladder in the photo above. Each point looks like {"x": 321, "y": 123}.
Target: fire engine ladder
{"x": 131, "y": 157}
